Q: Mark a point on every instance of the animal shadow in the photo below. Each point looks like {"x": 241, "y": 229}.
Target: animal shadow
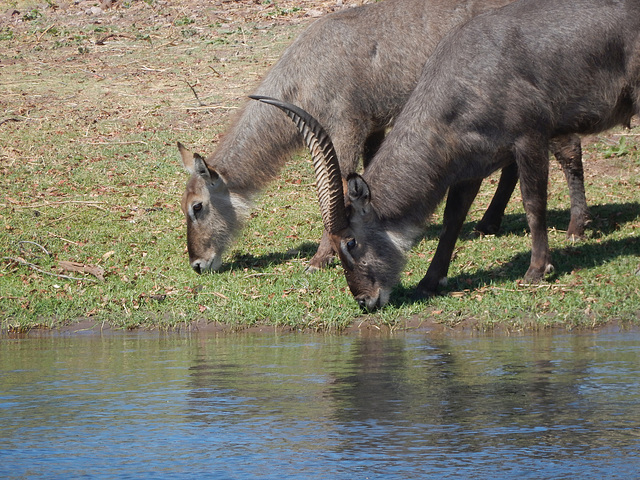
{"x": 261, "y": 262}
{"x": 606, "y": 219}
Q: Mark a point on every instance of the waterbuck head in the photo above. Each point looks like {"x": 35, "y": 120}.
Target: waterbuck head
{"x": 372, "y": 255}
{"x": 214, "y": 214}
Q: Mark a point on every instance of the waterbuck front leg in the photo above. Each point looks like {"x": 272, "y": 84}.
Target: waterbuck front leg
{"x": 568, "y": 151}
{"x": 459, "y": 200}
{"x": 533, "y": 165}
{"x": 323, "y": 256}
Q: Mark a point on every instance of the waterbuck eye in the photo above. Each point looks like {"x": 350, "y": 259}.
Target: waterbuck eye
{"x": 197, "y": 207}
{"x": 351, "y": 244}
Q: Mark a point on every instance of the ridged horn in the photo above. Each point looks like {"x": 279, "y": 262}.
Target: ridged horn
{"x": 325, "y": 164}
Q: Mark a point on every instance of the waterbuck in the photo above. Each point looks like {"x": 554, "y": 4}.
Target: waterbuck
{"x": 495, "y": 91}
{"x": 353, "y": 70}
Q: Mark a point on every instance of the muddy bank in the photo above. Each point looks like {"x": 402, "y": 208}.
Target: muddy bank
{"x": 365, "y": 327}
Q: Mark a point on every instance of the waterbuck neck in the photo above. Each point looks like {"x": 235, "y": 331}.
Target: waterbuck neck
{"x": 254, "y": 149}
{"x": 409, "y": 176}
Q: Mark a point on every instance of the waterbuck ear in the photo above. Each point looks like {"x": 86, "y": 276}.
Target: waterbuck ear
{"x": 187, "y": 158}
{"x": 358, "y": 193}
{"x": 195, "y": 165}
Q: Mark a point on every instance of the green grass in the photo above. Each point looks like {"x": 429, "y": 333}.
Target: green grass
{"x": 90, "y": 174}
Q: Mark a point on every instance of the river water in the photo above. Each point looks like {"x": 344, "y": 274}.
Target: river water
{"x": 244, "y": 406}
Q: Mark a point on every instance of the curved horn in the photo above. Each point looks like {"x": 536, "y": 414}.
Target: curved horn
{"x": 325, "y": 163}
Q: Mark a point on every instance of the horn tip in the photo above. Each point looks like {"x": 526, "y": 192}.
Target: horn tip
{"x": 261, "y": 98}
{"x": 275, "y": 102}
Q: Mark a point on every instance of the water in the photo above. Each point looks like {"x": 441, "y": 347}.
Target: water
{"x": 142, "y": 405}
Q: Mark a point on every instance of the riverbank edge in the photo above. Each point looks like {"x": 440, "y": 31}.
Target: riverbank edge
{"x": 365, "y": 327}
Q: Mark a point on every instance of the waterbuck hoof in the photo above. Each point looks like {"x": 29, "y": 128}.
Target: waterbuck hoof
{"x": 311, "y": 269}
{"x": 318, "y": 263}
{"x": 574, "y": 238}
{"x": 428, "y": 288}
{"x": 487, "y": 227}
{"x": 576, "y": 229}
{"x": 535, "y": 275}
{"x": 420, "y": 294}
{"x": 575, "y": 235}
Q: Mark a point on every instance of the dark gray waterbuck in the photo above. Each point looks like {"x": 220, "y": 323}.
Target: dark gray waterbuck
{"x": 353, "y": 70}
{"x": 495, "y": 91}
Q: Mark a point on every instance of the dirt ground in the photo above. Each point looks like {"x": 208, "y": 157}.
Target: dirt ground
{"x": 124, "y": 13}
{"x": 109, "y": 40}
{"x": 141, "y": 59}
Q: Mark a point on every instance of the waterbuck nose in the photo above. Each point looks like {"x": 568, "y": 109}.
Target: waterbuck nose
{"x": 367, "y": 304}
{"x": 196, "y": 267}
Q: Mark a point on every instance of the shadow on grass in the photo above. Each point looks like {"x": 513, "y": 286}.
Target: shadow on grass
{"x": 565, "y": 260}
{"x": 260, "y": 262}
{"x": 604, "y": 220}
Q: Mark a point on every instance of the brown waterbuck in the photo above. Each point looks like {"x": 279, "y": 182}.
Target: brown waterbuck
{"x": 495, "y": 91}
{"x": 353, "y": 70}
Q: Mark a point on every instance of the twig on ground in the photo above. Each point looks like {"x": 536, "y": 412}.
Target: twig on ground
{"x": 51, "y": 234}
{"x": 43, "y": 33}
{"x": 265, "y": 274}
{"x": 94, "y": 270}
{"x": 22, "y": 261}
{"x": 37, "y": 245}
{"x": 211, "y": 107}
{"x": 113, "y": 35}
{"x": 88, "y": 203}
{"x": 192, "y": 87}
{"x": 11, "y": 119}
{"x": 132, "y": 142}
{"x": 94, "y": 74}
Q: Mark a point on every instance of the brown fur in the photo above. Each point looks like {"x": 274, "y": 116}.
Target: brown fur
{"x": 350, "y": 71}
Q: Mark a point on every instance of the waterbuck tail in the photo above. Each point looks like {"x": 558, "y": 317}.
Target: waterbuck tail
{"x": 325, "y": 163}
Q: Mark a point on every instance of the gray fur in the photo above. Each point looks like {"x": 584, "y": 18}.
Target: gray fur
{"x": 495, "y": 91}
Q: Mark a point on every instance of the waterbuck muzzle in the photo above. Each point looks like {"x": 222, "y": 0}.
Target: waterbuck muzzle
{"x": 338, "y": 218}
{"x": 207, "y": 225}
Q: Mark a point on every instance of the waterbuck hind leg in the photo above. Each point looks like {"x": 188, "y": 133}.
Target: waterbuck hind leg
{"x": 324, "y": 255}
{"x": 492, "y": 218}
{"x": 459, "y": 200}
{"x": 568, "y": 152}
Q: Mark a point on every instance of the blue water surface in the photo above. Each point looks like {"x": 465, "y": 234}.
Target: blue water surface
{"x": 297, "y": 406}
